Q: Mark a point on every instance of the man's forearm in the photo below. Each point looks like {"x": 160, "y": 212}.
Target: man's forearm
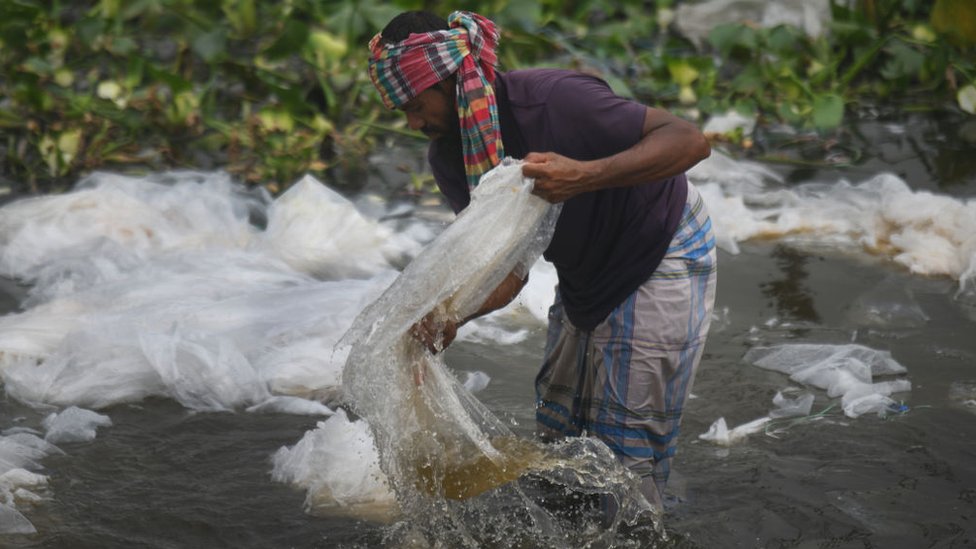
{"x": 502, "y": 296}
{"x": 669, "y": 146}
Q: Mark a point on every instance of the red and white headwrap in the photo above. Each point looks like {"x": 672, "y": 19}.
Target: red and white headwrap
{"x": 400, "y": 71}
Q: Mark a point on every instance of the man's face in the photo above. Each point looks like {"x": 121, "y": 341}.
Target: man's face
{"x": 434, "y": 113}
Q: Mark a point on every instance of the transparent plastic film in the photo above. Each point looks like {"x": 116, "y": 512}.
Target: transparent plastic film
{"x": 451, "y": 462}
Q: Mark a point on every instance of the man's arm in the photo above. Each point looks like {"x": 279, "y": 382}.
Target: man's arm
{"x": 437, "y": 333}
{"x": 669, "y": 145}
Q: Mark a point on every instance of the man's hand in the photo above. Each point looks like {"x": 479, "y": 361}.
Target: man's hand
{"x": 438, "y": 329}
{"x": 435, "y": 332}
{"x": 558, "y": 178}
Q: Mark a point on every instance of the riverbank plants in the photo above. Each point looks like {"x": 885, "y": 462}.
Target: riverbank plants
{"x": 272, "y": 90}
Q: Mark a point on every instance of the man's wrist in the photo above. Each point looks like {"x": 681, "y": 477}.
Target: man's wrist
{"x": 596, "y": 171}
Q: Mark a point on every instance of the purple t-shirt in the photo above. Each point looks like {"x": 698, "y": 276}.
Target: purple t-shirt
{"x": 607, "y": 242}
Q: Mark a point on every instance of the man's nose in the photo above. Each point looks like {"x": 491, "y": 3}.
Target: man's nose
{"x": 414, "y": 122}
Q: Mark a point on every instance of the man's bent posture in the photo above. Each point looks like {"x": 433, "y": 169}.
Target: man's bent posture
{"x": 633, "y": 247}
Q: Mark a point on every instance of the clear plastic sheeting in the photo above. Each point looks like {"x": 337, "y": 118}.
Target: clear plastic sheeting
{"x": 729, "y": 123}
{"x": 696, "y": 19}
{"x": 74, "y": 424}
{"x": 962, "y": 394}
{"x": 453, "y": 465}
{"x": 847, "y": 371}
{"x": 476, "y": 381}
{"x": 310, "y": 225}
{"x": 127, "y": 219}
{"x": 338, "y": 466}
{"x": 784, "y": 406}
{"x": 20, "y": 453}
{"x": 926, "y": 233}
{"x": 211, "y": 337}
{"x": 163, "y": 286}
{"x": 888, "y": 305}
{"x": 292, "y": 405}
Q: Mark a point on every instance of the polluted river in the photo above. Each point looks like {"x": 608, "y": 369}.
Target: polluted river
{"x": 172, "y": 350}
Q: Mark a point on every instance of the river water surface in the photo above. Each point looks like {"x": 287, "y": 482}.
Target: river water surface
{"x": 184, "y": 464}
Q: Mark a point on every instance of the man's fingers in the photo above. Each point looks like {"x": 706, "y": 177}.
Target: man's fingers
{"x": 434, "y": 335}
{"x": 536, "y": 170}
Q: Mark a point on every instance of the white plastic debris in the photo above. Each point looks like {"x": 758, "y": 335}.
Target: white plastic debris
{"x": 74, "y": 424}
{"x": 846, "y": 371}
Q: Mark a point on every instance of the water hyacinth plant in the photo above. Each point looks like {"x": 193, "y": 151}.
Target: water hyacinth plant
{"x": 272, "y": 90}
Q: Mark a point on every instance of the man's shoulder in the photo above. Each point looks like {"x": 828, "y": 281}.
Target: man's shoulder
{"x": 527, "y": 87}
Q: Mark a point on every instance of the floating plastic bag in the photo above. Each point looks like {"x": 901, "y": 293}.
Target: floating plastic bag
{"x": 783, "y": 407}
{"x": 846, "y": 371}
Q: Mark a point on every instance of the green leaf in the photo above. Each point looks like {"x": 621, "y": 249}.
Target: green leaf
{"x": 327, "y": 46}
{"x": 904, "y": 62}
{"x": 69, "y": 142}
{"x": 291, "y": 40}
{"x": 749, "y": 81}
{"x": 746, "y": 107}
{"x": 242, "y": 15}
{"x": 210, "y": 46}
{"x": 828, "y": 111}
{"x": 36, "y": 65}
{"x": 122, "y": 45}
{"x": 520, "y": 14}
{"x": 789, "y": 112}
{"x": 785, "y": 39}
{"x": 729, "y": 37}
{"x": 618, "y": 86}
{"x": 133, "y": 73}
{"x": 682, "y": 72}
{"x": 175, "y": 82}
{"x": 89, "y": 29}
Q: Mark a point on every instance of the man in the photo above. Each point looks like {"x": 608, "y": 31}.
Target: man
{"x": 633, "y": 247}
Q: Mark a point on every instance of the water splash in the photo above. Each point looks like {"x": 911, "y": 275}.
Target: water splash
{"x": 460, "y": 476}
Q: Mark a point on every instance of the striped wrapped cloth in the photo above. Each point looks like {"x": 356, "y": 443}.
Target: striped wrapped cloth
{"x": 626, "y": 381}
{"x": 400, "y": 71}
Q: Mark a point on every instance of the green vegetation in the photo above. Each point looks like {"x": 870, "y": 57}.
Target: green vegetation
{"x": 272, "y": 90}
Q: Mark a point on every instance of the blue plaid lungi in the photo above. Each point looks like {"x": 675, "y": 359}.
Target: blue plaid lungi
{"x": 626, "y": 381}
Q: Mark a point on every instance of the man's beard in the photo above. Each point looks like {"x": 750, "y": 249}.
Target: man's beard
{"x": 446, "y": 135}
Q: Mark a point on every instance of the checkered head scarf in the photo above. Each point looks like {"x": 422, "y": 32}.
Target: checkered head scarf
{"x": 400, "y": 71}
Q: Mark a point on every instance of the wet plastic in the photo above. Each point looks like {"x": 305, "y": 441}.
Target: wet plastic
{"x": 846, "y": 371}
{"x": 437, "y": 442}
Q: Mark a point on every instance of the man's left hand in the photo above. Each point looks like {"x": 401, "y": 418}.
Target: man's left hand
{"x": 558, "y": 178}
{"x": 435, "y": 331}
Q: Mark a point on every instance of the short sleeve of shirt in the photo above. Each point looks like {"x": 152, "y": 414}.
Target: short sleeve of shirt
{"x": 588, "y": 121}
{"x": 608, "y": 242}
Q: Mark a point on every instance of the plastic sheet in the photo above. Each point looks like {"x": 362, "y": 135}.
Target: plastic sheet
{"x": 783, "y": 407}
{"x": 696, "y": 19}
{"x": 926, "y": 233}
{"x": 338, "y": 464}
{"x": 962, "y": 394}
{"x": 74, "y": 424}
{"x": 888, "y": 305}
{"x": 310, "y": 225}
{"x": 847, "y": 371}
{"x": 435, "y": 440}
{"x": 177, "y": 302}
{"x": 21, "y": 452}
